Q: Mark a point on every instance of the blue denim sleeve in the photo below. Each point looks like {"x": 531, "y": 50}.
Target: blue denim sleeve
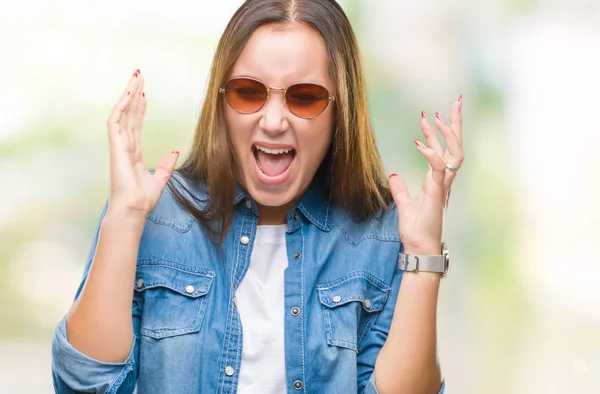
{"x": 75, "y": 372}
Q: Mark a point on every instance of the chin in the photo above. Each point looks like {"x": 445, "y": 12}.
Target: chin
{"x": 272, "y": 198}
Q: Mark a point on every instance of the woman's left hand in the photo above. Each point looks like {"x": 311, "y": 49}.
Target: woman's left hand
{"x": 421, "y": 218}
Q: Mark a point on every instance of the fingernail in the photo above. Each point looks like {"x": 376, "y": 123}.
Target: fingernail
{"x": 176, "y": 152}
{"x": 138, "y": 71}
{"x": 135, "y": 74}
{"x": 143, "y": 94}
{"x": 419, "y": 144}
{"x": 423, "y": 115}
{"x": 438, "y": 116}
{"x": 460, "y": 98}
{"x": 128, "y": 93}
{"x": 391, "y": 175}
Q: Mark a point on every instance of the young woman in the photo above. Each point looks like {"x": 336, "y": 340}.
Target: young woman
{"x": 278, "y": 257}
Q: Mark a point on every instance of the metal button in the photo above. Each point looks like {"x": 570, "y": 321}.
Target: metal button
{"x": 229, "y": 371}
{"x": 245, "y": 240}
{"x": 367, "y": 303}
{"x": 189, "y": 289}
{"x": 295, "y": 311}
{"x": 140, "y": 282}
{"x": 337, "y": 299}
{"x": 297, "y": 255}
{"x": 298, "y": 385}
{"x": 248, "y": 204}
{"x": 295, "y": 216}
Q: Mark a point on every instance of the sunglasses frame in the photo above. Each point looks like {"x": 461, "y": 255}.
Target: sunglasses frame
{"x": 284, "y": 90}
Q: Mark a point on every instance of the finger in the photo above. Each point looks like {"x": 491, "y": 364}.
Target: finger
{"x": 136, "y": 115}
{"x": 431, "y": 137}
{"x": 142, "y": 114}
{"x": 134, "y": 118}
{"x": 436, "y": 163}
{"x": 399, "y": 192}
{"x": 124, "y": 102}
{"x": 137, "y": 131}
{"x": 456, "y": 118}
{"x": 165, "y": 168}
{"x": 452, "y": 143}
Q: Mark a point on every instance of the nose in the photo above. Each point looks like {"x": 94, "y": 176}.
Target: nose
{"x": 274, "y": 120}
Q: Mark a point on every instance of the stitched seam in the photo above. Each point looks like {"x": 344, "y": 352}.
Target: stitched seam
{"x": 173, "y": 265}
{"x": 165, "y": 285}
{"x": 353, "y": 275}
{"x": 246, "y": 256}
{"x": 304, "y": 306}
{"x": 313, "y": 218}
{"x": 321, "y": 225}
{"x": 183, "y": 330}
{"x": 328, "y": 327}
{"x": 346, "y": 344}
{"x": 227, "y": 341}
{"x": 363, "y": 336}
{"x": 158, "y": 334}
{"x": 355, "y": 242}
{"x": 375, "y": 307}
{"x": 121, "y": 376}
{"x": 168, "y": 285}
{"x": 155, "y": 218}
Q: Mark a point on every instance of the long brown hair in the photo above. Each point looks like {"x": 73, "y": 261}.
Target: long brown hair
{"x": 353, "y": 165}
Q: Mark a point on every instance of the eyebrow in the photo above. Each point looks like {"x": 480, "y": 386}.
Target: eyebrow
{"x": 285, "y": 86}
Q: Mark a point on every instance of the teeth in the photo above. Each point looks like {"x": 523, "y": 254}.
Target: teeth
{"x": 272, "y": 151}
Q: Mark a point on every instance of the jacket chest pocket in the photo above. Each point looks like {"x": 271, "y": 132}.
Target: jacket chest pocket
{"x": 350, "y": 307}
{"x": 173, "y": 300}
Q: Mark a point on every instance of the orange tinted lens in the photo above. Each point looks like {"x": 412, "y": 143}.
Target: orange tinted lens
{"x": 245, "y": 95}
{"x": 307, "y": 100}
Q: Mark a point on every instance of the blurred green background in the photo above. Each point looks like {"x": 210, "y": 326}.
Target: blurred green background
{"x": 520, "y": 310}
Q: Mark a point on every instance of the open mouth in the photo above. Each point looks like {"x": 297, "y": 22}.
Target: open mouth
{"x": 273, "y": 162}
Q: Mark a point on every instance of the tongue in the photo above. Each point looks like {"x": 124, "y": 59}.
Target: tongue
{"x": 273, "y": 165}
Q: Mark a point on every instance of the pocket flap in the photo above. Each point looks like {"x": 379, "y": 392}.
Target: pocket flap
{"x": 188, "y": 283}
{"x": 361, "y": 287}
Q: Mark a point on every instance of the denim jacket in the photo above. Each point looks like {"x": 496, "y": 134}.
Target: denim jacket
{"x": 341, "y": 286}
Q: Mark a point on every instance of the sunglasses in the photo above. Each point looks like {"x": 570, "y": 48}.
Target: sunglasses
{"x": 247, "y": 96}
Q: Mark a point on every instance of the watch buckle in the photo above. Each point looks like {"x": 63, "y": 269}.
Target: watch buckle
{"x": 409, "y": 263}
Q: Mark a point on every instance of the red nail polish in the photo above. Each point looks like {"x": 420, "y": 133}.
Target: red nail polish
{"x": 138, "y": 71}
{"x": 391, "y": 175}
{"x": 460, "y": 98}
{"x": 128, "y": 93}
{"x": 437, "y": 116}
{"x": 418, "y": 143}
{"x": 135, "y": 75}
{"x": 423, "y": 115}
{"x": 143, "y": 94}
{"x": 176, "y": 152}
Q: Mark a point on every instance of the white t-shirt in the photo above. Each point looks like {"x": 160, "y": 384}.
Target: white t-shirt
{"x": 260, "y": 302}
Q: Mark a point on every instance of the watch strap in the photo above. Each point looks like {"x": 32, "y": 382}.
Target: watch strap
{"x": 429, "y": 263}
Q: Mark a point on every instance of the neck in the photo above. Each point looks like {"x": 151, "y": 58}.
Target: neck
{"x": 273, "y": 215}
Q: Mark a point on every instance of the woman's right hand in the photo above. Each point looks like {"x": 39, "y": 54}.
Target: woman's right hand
{"x": 133, "y": 189}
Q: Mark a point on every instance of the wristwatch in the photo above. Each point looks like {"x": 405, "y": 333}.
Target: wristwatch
{"x": 429, "y": 263}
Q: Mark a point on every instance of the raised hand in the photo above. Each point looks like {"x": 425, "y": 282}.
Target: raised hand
{"x": 422, "y": 217}
{"x": 133, "y": 189}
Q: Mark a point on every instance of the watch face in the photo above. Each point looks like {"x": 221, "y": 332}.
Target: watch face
{"x": 446, "y": 254}
{"x": 445, "y": 250}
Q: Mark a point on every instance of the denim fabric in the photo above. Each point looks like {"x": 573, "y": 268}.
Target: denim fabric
{"x": 188, "y": 337}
